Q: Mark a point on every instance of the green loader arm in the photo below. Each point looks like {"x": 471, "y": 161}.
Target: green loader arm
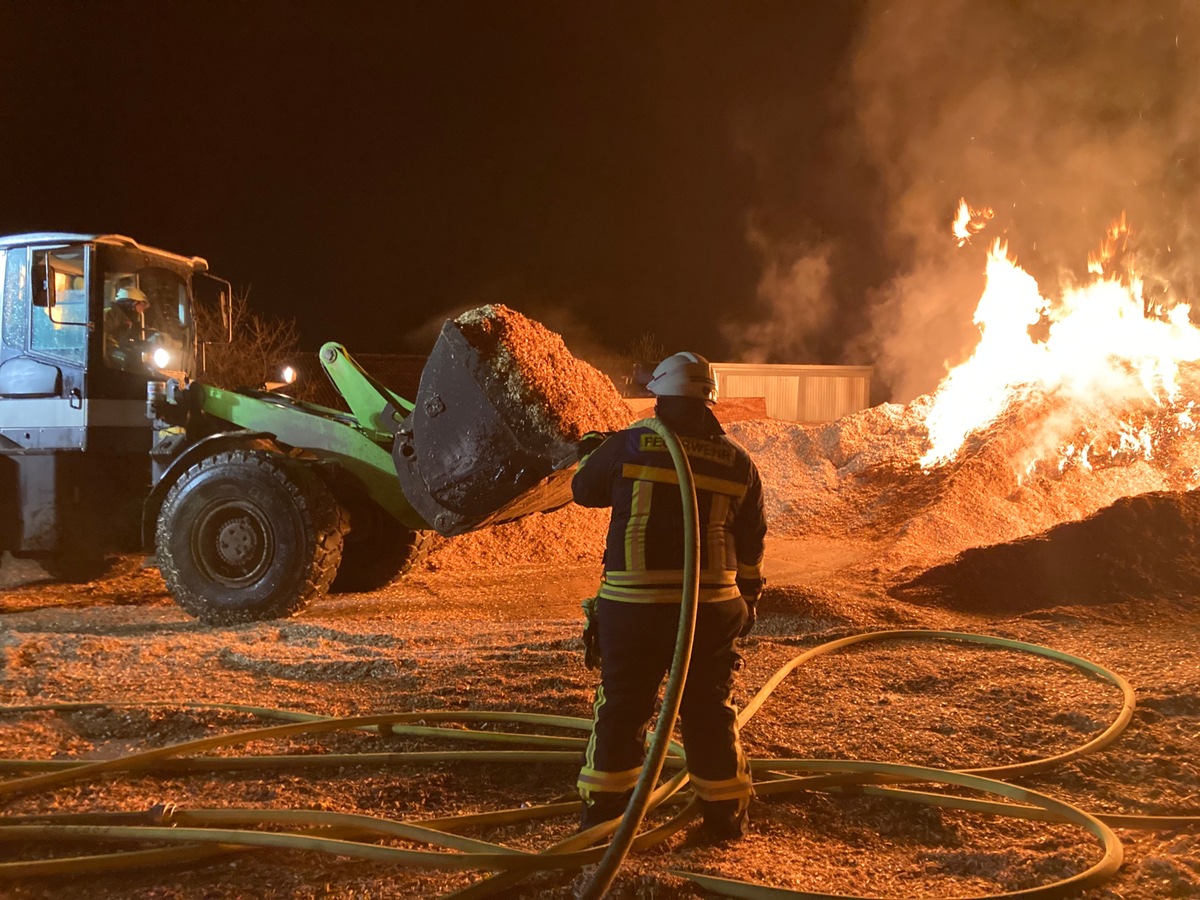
{"x": 465, "y": 455}
{"x": 359, "y": 442}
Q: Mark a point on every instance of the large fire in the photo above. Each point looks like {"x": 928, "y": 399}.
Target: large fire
{"x": 1096, "y": 345}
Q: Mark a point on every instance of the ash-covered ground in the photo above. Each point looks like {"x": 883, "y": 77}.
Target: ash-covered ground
{"x": 1099, "y": 563}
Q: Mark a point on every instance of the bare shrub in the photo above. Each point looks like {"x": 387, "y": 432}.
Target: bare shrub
{"x": 261, "y": 345}
{"x": 640, "y": 358}
{"x": 646, "y": 350}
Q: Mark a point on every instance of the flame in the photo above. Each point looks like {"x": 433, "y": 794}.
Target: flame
{"x": 969, "y": 222}
{"x": 1098, "y": 349}
{"x": 1112, "y": 250}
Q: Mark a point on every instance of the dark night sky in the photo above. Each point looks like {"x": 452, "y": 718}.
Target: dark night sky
{"x": 369, "y": 167}
{"x": 761, "y": 181}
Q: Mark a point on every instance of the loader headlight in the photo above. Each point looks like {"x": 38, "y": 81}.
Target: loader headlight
{"x": 287, "y": 375}
{"x": 161, "y": 357}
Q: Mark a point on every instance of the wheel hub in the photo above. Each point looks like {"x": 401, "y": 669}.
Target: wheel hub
{"x": 233, "y": 543}
{"x": 238, "y": 542}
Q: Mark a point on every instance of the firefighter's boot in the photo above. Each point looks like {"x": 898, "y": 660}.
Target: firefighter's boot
{"x": 602, "y": 806}
{"x": 724, "y": 820}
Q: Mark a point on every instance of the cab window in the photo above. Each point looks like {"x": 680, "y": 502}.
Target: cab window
{"x": 15, "y": 300}
{"x": 59, "y": 328}
{"x": 133, "y": 330}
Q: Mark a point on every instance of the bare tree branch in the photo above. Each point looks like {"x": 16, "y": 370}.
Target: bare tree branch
{"x": 261, "y": 346}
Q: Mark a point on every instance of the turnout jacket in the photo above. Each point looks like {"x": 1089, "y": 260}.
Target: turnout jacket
{"x": 633, "y": 473}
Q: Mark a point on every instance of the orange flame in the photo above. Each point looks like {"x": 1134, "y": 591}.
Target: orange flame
{"x": 1098, "y": 347}
{"x": 969, "y": 222}
{"x": 1112, "y": 250}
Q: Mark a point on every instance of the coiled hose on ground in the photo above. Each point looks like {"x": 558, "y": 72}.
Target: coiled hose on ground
{"x": 203, "y": 834}
{"x": 206, "y": 833}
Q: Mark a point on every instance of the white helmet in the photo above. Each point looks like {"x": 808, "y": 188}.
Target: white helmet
{"x": 684, "y": 375}
{"x": 132, "y": 294}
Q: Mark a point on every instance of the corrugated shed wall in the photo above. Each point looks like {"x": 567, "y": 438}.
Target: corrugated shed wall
{"x": 798, "y": 393}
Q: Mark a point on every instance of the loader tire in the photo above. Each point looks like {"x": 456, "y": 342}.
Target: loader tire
{"x": 248, "y": 535}
{"x": 378, "y": 549}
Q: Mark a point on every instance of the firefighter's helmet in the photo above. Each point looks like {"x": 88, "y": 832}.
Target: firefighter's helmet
{"x": 132, "y": 295}
{"x": 684, "y": 375}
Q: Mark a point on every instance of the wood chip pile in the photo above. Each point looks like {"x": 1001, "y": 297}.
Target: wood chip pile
{"x": 565, "y": 397}
{"x": 859, "y": 477}
{"x": 1138, "y": 548}
{"x": 856, "y": 477}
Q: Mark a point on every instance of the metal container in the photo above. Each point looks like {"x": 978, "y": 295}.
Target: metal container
{"x": 798, "y": 393}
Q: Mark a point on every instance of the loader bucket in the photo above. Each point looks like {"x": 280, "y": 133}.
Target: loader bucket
{"x": 469, "y": 454}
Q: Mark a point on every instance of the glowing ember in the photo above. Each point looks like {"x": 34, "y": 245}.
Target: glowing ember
{"x": 969, "y": 222}
{"x": 1096, "y": 350}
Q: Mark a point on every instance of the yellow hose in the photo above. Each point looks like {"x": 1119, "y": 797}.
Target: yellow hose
{"x": 1059, "y": 811}
{"x": 622, "y": 840}
{"x": 204, "y": 834}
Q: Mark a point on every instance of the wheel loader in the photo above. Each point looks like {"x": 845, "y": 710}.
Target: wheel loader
{"x": 252, "y": 504}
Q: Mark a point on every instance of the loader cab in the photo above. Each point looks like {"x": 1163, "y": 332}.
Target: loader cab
{"x": 145, "y": 339}
{"x": 74, "y": 366}
{"x": 69, "y": 336}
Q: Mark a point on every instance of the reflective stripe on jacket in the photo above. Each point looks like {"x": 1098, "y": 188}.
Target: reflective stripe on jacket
{"x": 643, "y": 559}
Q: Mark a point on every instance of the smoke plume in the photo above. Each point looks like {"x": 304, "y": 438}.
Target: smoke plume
{"x": 795, "y": 295}
{"x": 1059, "y": 115}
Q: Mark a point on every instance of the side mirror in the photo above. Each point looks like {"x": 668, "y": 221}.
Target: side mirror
{"x": 227, "y": 312}
{"x": 42, "y": 283}
{"x": 214, "y": 308}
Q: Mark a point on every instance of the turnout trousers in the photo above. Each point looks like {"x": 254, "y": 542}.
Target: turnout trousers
{"x": 637, "y": 643}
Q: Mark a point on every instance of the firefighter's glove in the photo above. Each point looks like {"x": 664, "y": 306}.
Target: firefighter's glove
{"x": 590, "y": 442}
{"x": 751, "y": 590}
{"x": 751, "y": 617}
{"x": 591, "y": 634}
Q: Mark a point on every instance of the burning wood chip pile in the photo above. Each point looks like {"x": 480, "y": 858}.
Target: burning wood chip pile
{"x": 861, "y": 477}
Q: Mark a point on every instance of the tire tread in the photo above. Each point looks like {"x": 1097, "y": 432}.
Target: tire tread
{"x": 317, "y": 508}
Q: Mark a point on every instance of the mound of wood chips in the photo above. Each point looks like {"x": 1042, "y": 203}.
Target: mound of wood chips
{"x": 1138, "y": 548}
{"x": 562, "y": 396}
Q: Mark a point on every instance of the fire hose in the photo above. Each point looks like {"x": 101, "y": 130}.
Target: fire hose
{"x": 209, "y": 833}
{"x": 622, "y": 840}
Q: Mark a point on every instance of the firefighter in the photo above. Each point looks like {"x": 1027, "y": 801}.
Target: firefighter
{"x": 632, "y": 623}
